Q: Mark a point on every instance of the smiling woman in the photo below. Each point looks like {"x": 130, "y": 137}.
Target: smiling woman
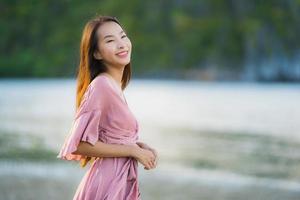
{"x": 114, "y": 46}
{"x": 105, "y": 131}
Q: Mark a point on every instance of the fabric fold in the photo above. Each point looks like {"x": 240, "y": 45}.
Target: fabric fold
{"x": 127, "y": 175}
{"x": 110, "y": 136}
{"x": 85, "y": 128}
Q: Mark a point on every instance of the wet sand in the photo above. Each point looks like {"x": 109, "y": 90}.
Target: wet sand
{"x": 29, "y": 181}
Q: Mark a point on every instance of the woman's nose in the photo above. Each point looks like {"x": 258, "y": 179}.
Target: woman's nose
{"x": 121, "y": 44}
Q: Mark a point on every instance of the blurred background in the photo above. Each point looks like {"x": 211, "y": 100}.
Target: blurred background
{"x": 215, "y": 89}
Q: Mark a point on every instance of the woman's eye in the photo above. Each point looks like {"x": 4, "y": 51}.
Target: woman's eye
{"x": 109, "y": 41}
{"x": 124, "y": 36}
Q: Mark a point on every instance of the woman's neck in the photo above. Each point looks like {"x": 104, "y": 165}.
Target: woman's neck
{"x": 116, "y": 74}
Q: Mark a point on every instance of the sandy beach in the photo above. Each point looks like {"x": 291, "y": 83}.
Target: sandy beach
{"x": 44, "y": 181}
{"x": 211, "y": 146}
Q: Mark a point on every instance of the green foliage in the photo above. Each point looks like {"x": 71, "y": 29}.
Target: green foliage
{"x": 41, "y": 38}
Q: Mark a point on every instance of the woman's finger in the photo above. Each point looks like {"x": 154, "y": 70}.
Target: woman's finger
{"x": 146, "y": 167}
{"x": 152, "y": 164}
{"x": 154, "y": 151}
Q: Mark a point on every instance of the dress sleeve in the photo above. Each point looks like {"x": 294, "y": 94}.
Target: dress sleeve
{"x": 86, "y": 123}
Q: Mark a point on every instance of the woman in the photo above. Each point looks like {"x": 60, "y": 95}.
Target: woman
{"x": 104, "y": 129}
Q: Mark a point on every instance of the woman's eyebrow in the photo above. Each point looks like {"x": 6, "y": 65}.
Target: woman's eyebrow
{"x": 107, "y": 36}
{"x": 112, "y": 35}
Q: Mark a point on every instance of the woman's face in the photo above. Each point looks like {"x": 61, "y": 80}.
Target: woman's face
{"x": 113, "y": 45}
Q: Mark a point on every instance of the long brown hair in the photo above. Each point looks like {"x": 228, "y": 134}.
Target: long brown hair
{"x": 89, "y": 67}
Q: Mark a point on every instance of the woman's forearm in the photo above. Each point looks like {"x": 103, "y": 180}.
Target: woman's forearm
{"x": 101, "y": 149}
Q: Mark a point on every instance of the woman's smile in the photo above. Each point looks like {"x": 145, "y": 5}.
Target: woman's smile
{"x": 122, "y": 54}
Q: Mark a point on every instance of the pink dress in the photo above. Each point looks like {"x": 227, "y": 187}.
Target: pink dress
{"x": 103, "y": 115}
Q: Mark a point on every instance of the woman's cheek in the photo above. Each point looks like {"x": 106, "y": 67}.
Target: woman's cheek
{"x": 107, "y": 51}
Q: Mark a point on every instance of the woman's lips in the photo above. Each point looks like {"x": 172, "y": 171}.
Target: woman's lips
{"x": 122, "y": 54}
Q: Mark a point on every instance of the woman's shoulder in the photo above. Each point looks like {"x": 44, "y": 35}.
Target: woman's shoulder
{"x": 100, "y": 82}
{"x": 97, "y": 93}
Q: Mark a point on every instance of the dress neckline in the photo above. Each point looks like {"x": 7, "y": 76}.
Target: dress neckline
{"x": 118, "y": 88}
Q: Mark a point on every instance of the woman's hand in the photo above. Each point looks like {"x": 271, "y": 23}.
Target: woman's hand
{"x": 147, "y": 147}
{"x": 145, "y": 157}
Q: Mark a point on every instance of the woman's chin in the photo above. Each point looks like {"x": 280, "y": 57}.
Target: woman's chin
{"x": 124, "y": 63}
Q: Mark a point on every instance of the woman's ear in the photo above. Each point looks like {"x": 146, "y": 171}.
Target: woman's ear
{"x": 97, "y": 55}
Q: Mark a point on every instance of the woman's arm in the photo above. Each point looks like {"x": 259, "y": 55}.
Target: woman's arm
{"x": 101, "y": 149}
{"x": 145, "y": 146}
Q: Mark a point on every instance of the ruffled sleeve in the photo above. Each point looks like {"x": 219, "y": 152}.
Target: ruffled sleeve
{"x": 86, "y": 123}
